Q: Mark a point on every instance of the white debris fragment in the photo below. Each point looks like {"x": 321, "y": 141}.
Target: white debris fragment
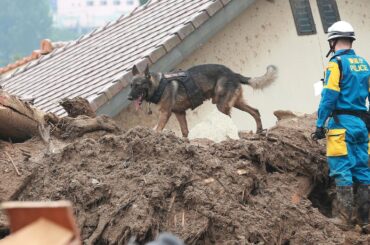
{"x": 217, "y": 127}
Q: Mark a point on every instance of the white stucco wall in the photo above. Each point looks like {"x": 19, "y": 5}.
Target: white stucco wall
{"x": 266, "y": 34}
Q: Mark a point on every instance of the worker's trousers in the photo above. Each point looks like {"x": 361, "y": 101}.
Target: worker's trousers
{"x": 347, "y": 151}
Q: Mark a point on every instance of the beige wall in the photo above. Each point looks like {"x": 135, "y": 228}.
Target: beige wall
{"x": 265, "y": 34}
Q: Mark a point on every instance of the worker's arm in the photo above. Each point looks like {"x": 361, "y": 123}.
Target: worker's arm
{"x": 330, "y": 93}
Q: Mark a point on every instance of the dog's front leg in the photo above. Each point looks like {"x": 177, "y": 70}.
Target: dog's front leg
{"x": 166, "y": 105}
{"x": 164, "y": 115}
{"x": 181, "y": 117}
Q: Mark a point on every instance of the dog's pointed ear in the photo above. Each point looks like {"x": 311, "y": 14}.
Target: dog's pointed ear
{"x": 147, "y": 73}
{"x": 135, "y": 71}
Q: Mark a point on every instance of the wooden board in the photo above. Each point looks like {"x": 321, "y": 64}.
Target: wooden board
{"x": 40, "y": 232}
{"x": 22, "y": 214}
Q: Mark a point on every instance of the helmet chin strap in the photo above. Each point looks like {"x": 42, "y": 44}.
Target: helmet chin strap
{"x": 332, "y": 47}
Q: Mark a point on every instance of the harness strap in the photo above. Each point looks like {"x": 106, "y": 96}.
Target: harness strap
{"x": 156, "y": 97}
{"x": 193, "y": 92}
{"x": 356, "y": 113}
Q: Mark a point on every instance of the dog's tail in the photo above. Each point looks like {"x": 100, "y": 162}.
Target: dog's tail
{"x": 263, "y": 81}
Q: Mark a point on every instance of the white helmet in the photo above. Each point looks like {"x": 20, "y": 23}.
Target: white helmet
{"x": 341, "y": 29}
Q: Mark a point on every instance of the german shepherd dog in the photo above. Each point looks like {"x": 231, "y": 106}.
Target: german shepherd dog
{"x": 216, "y": 82}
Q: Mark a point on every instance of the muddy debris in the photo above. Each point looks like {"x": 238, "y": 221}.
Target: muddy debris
{"x": 261, "y": 189}
{"x": 19, "y": 119}
{"x": 77, "y": 106}
{"x": 71, "y": 128}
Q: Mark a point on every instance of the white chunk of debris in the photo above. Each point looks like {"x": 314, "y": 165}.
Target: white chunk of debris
{"x": 217, "y": 127}
{"x": 95, "y": 181}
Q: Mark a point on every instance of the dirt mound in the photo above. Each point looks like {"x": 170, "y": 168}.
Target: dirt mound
{"x": 77, "y": 106}
{"x": 262, "y": 189}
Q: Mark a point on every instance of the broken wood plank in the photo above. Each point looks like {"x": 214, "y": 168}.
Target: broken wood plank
{"x": 12, "y": 162}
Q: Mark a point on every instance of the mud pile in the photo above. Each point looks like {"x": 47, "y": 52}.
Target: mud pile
{"x": 261, "y": 189}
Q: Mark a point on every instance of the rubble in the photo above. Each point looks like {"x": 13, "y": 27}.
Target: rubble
{"x": 77, "y": 106}
{"x": 19, "y": 119}
{"x": 260, "y": 189}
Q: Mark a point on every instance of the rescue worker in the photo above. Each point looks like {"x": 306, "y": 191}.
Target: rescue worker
{"x": 346, "y": 88}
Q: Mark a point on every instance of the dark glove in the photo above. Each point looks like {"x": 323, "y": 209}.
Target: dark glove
{"x": 319, "y": 134}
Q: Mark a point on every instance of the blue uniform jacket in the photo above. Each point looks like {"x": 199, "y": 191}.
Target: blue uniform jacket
{"x": 347, "y": 93}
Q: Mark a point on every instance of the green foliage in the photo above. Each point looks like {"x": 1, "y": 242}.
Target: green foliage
{"x": 143, "y": 2}
{"x": 23, "y": 24}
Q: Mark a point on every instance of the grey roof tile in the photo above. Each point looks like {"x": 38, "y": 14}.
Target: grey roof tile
{"x": 170, "y": 42}
{"x": 98, "y": 65}
{"x": 155, "y": 53}
{"x": 199, "y": 18}
{"x": 184, "y": 30}
{"x": 99, "y": 101}
{"x": 115, "y": 88}
{"x": 225, "y": 2}
{"x": 213, "y": 7}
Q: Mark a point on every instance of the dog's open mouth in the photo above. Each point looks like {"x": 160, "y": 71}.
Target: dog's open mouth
{"x": 138, "y": 102}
